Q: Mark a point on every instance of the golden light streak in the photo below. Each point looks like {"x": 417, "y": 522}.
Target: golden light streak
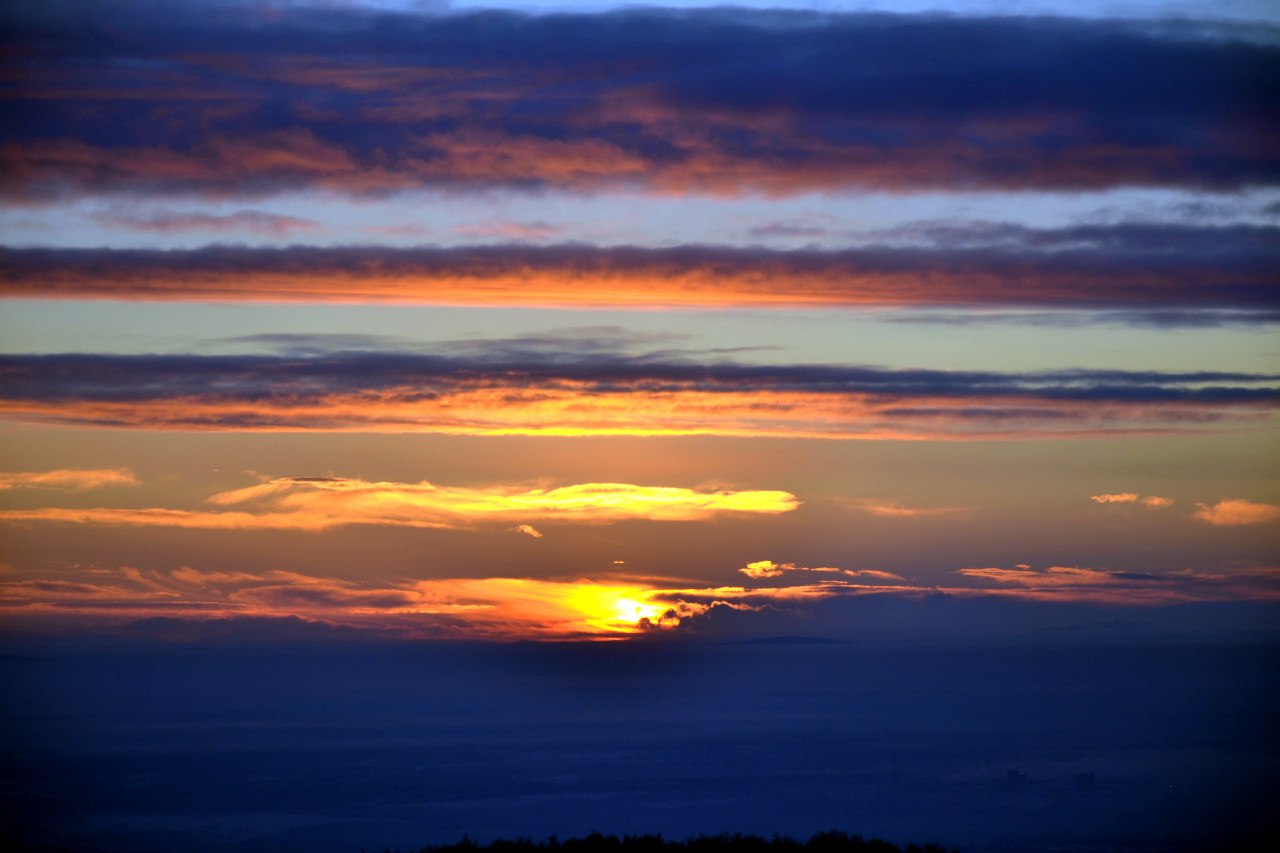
{"x": 322, "y": 503}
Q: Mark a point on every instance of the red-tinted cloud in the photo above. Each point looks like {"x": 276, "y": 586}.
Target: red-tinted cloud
{"x": 1140, "y": 268}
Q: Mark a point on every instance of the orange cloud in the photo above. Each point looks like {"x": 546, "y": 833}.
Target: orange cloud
{"x": 527, "y": 530}
{"x": 559, "y": 608}
{"x": 500, "y": 608}
{"x": 768, "y": 569}
{"x": 1149, "y": 501}
{"x": 568, "y": 408}
{"x": 1232, "y": 512}
{"x": 1117, "y": 498}
{"x": 578, "y": 388}
{"x": 1074, "y": 583}
{"x": 577, "y": 275}
{"x": 322, "y": 503}
{"x": 73, "y": 479}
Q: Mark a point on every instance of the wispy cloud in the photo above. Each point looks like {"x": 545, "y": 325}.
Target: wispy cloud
{"x": 1233, "y": 512}
{"x": 1116, "y": 498}
{"x": 509, "y": 230}
{"x": 894, "y": 509}
{"x": 176, "y": 221}
{"x": 1075, "y": 583}
{"x": 766, "y": 569}
{"x": 71, "y": 479}
{"x": 322, "y": 503}
{"x": 1149, "y": 501}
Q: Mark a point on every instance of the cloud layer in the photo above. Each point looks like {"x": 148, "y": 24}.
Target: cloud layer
{"x": 572, "y": 394}
{"x": 610, "y": 607}
{"x": 1129, "y": 267}
{"x": 249, "y": 100}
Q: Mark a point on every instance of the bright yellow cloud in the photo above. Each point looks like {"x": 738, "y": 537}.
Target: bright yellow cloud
{"x": 320, "y": 503}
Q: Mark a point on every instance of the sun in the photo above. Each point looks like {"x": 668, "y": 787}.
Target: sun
{"x": 610, "y": 609}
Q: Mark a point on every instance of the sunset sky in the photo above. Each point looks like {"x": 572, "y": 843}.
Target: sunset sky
{"x": 421, "y": 419}
{"x": 555, "y": 322}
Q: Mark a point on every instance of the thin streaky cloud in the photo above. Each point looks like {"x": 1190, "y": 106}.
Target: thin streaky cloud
{"x": 895, "y": 509}
{"x": 1149, "y": 501}
{"x": 178, "y": 221}
{"x": 768, "y": 569}
{"x": 71, "y": 479}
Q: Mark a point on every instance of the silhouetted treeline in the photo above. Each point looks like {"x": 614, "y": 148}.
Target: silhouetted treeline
{"x": 823, "y": 842}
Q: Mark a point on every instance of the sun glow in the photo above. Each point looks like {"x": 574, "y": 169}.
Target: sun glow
{"x": 615, "y": 609}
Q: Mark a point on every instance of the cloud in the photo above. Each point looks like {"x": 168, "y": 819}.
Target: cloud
{"x": 1232, "y": 512}
{"x": 1074, "y": 583}
{"x": 614, "y": 606}
{"x": 1116, "y": 498}
{"x": 1149, "y": 501}
{"x": 72, "y": 479}
{"x": 767, "y": 569}
{"x": 893, "y": 509}
{"x": 494, "y": 608}
{"x": 175, "y": 221}
{"x": 527, "y": 530}
{"x": 579, "y": 394}
{"x": 1225, "y": 273}
{"x": 322, "y": 503}
{"x": 224, "y": 101}
{"x": 509, "y": 230}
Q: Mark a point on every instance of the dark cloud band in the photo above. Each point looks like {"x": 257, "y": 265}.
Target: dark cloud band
{"x": 1147, "y": 267}
{"x": 603, "y": 394}
{"x": 242, "y": 100}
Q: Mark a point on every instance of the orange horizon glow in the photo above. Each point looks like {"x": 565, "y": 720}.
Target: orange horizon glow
{"x": 571, "y": 408}
{"x": 509, "y": 608}
{"x": 651, "y": 283}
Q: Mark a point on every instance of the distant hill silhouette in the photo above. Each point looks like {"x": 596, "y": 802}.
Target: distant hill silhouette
{"x": 823, "y": 842}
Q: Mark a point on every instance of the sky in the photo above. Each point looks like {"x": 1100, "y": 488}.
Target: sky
{"x": 539, "y": 310}
{"x": 594, "y": 322}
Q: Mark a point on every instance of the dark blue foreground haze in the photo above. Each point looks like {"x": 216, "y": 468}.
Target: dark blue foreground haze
{"x": 327, "y": 748}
